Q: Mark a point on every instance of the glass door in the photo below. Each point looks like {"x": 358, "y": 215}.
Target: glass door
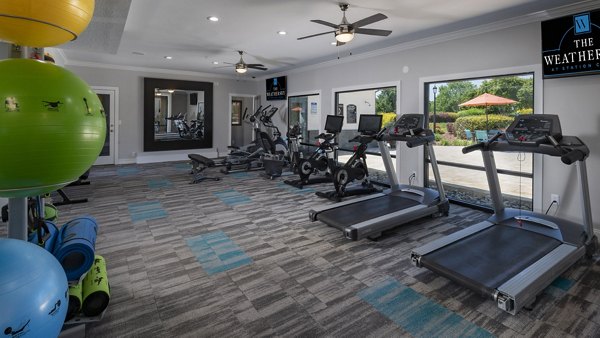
{"x": 108, "y": 97}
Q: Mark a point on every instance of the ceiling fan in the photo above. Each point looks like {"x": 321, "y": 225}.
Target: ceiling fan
{"x": 241, "y": 67}
{"x": 344, "y": 32}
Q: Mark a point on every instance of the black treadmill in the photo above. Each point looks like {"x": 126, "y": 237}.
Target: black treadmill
{"x": 515, "y": 254}
{"x": 369, "y": 216}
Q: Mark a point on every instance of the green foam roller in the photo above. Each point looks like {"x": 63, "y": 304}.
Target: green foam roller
{"x": 75, "y": 295}
{"x": 50, "y": 212}
{"x": 96, "y": 291}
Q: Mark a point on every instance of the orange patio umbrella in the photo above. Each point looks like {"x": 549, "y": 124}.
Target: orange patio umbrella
{"x": 485, "y": 100}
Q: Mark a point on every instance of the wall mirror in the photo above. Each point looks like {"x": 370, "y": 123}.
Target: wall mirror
{"x": 177, "y": 114}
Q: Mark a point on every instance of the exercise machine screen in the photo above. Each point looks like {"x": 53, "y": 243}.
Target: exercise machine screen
{"x": 406, "y": 123}
{"x": 531, "y": 130}
{"x": 369, "y": 124}
{"x": 333, "y": 124}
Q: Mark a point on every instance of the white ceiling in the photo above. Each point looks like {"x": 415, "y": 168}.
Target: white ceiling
{"x": 140, "y": 33}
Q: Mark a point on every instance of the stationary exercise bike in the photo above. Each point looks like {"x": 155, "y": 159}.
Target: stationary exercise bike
{"x": 320, "y": 161}
{"x": 355, "y": 168}
{"x": 194, "y": 130}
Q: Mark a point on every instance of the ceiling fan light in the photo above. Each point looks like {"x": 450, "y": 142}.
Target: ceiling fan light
{"x": 344, "y": 36}
{"x": 241, "y": 70}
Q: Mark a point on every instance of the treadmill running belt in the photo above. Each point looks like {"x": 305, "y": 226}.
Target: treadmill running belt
{"x": 354, "y": 213}
{"x": 490, "y": 257}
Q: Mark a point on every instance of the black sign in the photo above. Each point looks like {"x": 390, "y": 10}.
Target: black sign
{"x": 276, "y": 88}
{"x": 571, "y": 45}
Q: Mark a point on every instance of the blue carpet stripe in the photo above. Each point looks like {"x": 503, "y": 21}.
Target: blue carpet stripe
{"x": 216, "y": 252}
{"x": 241, "y": 174}
{"x": 290, "y": 188}
{"x": 127, "y": 171}
{"x": 232, "y": 197}
{"x": 417, "y": 314}
{"x": 159, "y": 184}
{"x": 143, "y": 211}
{"x": 563, "y": 283}
{"x": 182, "y": 166}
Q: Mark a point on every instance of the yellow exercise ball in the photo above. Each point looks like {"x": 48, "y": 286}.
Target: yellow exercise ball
{"x": 43, "y": 23}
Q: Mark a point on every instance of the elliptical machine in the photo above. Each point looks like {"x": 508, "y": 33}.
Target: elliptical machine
{"x": 320, "y": 161}
{"x": 267, "y": 120}
{"x": 356, "y": 167}
{"x": 247, "y": 157}
{"x": 294, "y": 136}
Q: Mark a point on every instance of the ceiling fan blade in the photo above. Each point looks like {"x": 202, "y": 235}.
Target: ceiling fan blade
{"x": 310, "y": 36}
{"x": 256, "y": 67}
{"x": 369, "y": 20}
{"x": 328, "y": 24}
{"x": 367, "y": 31}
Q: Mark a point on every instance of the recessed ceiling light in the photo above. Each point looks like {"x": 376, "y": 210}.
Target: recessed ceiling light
{"x": 215, "y": 62}
{"x": 282, "y": 32}
{"x": 168, "y": 57}
{"x": 213, "y": 18}
{"x": 334, "y": 43}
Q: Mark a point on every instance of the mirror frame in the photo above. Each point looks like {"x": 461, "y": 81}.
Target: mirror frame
{"x": 150, "y": 144}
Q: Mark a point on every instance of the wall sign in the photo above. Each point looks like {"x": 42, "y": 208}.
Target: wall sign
{"x": 351, "y": 113}
{"x": 313, "y": 107}
{"x": 571, "y": 45}
{"x": 276, "y": 88}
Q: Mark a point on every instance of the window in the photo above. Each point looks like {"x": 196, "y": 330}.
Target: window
{"x": 353, "y": 104}
{"x": 461, "y": 112}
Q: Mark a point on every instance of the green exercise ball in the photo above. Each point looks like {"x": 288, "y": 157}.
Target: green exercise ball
{"x": 52, "y": 127}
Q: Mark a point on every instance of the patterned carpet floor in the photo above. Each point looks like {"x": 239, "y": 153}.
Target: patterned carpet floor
{"x": 240, "y": 258}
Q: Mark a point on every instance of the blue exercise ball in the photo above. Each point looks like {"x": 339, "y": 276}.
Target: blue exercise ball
{"x": 33, "y": 291}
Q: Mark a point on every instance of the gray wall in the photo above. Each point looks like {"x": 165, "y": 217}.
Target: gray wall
{"x": 131, "y": 108}
{"x": 575, "y": 100}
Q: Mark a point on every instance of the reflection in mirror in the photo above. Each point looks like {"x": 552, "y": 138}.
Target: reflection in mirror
{"x": 177, "y": 114}
{"x": 301, "y": 110}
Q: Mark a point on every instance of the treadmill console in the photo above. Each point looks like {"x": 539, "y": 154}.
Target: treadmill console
{"x": 532, "y": 130}
{"x": 407, "y": 124}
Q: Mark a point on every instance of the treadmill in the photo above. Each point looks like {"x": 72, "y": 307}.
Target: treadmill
{"x": 369, "y": 216}
{"x": 515, "y": 254}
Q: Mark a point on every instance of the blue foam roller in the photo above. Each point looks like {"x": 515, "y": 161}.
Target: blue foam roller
{"x": 75, "y": 246}
{"x": 49, "y": 241}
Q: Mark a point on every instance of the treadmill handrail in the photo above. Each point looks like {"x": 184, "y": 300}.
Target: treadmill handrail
{"x": 538, "y": 220}
{"x": 482, "y": 145}
{"x": 570, "y": 149}
{"x": 422, "y": 138}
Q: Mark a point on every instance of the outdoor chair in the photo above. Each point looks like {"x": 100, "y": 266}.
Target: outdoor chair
{"x": 468, "y": 134}
{"x": 481, "y": 135}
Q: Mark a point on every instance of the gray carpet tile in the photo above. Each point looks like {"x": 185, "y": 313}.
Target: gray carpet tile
{"x": 301, "y": 278}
